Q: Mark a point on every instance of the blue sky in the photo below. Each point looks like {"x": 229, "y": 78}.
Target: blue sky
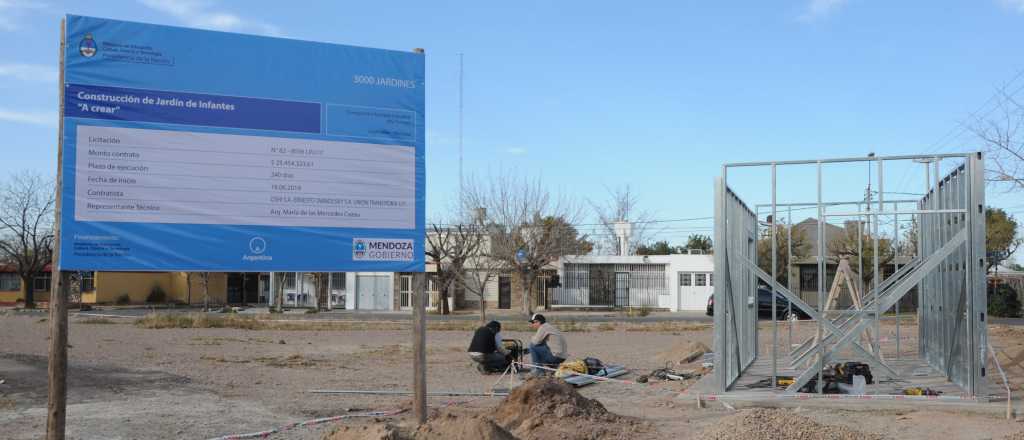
{"x": 592, "y": 95}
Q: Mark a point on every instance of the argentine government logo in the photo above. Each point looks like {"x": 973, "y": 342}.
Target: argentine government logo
{"x": 87, "y": 47}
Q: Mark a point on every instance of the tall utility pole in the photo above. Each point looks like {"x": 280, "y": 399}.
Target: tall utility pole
{"x": 461, "y": 183}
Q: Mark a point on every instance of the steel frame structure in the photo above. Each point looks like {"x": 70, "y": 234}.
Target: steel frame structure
{"x": 948, "y": 272}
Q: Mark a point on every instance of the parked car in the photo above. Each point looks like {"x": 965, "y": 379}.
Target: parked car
{"x": 764, "y": 306}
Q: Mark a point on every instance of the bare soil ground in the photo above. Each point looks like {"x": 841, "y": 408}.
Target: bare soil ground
{"x": 126, "y": 381}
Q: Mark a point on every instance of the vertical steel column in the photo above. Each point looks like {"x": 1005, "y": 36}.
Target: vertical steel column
{"x": 722, "y": 274}
{"x": 922, "y": 300}
{"x": 775, "y": 320}
{"x": 896, "y": 267}
{"x": 860, "y": 248}
{"x": 789, "y": 273}
{"x": 876, "y": 277}
{"x": 821, "y": 281}
{"x": 940, "y": 288}
{"x": 975, "y": 266}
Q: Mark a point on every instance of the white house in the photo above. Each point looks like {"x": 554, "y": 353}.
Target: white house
{"x": 671, "y": 282}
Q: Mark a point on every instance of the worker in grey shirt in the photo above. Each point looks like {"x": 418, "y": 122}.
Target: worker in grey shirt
{"x": 547, "y": 346}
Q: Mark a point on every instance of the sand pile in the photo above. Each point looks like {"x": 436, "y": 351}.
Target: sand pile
{"x": 539, "y": 409}
{"x": 452, "y": 426}
{"x": 771, "y": 424}
{"x": 682, "y": 353}
{"x": 378, "y": 431}
{"x": 543, "y": 409}
{"x": 443, "y": 427}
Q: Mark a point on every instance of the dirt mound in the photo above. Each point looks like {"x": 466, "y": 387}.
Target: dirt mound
{"x": 771, "y": 424}
{"x": 442, "y": 427}
{"x": 378, "y": 431}
{"x": 452, "y": 426}
{"x": 683, "y": 353}
{"x": 542, "y": 409}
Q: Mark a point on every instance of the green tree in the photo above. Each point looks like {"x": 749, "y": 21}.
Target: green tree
{"x": 698, "y": 241}
{"x": 660, "y": 247}
{"x": 1000, "y": 236}
{"x": 847, "y": 245}
{"x": 782, "y": 256}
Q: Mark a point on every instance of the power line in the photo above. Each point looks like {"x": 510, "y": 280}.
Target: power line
{"x": 944, "y": 141}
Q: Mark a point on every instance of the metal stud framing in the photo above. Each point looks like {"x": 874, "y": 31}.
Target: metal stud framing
{"x": 948, "y": 274}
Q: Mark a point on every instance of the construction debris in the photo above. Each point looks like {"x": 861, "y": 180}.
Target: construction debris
{"x": 918, "y": 391}
{"x": 669, "y": 374}
{"x": 683, "y": 353}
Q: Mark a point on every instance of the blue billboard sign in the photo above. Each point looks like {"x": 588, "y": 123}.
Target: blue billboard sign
{"x": 194, "y": 150}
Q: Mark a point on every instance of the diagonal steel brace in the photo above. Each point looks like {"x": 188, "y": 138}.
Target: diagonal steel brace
{"x": 796, "y": 301}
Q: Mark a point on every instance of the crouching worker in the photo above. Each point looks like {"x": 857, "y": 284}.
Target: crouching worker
{"x": 487, "y": 350}
{"x": 547, "y": 346}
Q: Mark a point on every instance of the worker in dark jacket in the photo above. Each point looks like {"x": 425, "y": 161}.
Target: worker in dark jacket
{"x": 487, "y": 350}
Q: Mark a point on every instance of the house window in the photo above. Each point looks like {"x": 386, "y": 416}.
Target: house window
{"x": 338, "y": 281}
{"x": 41, "y": 283}
{"x": 700, "y": 279}
{"x": 289, "y": 280}
{"x": 432, "y": 284}
{"x": 10, "y": 281}
{"x": 405, "y": 291}
{"x": 809, "y": 276}
{"x": 88, "y": 283}
{"x": 684, "y": 279}
{"x": 711, "y": 279}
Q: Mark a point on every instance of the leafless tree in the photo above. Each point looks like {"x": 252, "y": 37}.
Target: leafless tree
{"x": 481, "y": 270}
{"x": 622, "y": 205}
{"x": 1002, "y": 137}
{"x": 450, "y": 246}
{"x": 26, "y": 227}
{"x": 279, "y": 292}
{"x": 321, "y": 283}
{"x": 188, "y": 288}
{"x": 204, "y": 277}
{"x": 527, "y": 226}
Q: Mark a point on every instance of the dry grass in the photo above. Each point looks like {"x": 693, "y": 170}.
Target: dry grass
{"x": 667, "y": 327}
{"x": 96, "y": 321}
{"x": 200, "y": 320}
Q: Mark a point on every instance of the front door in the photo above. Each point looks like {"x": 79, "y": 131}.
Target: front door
{"x": 504, "y": 292}
{"x": 622, "y": 290}
{"x": 372, "y": 292}
{"x": 235, "y": 281}
{"x": 694, "y": 290}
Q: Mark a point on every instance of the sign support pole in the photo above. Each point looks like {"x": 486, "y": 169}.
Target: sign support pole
{"x": 419, "y": 340}
{"x": 56, "y": 370}
{"x": 419, "y": 348}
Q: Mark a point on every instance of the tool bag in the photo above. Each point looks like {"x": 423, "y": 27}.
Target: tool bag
{"x": 594, "y": 366}
{"x": 570, "y": 368}
{"x": 845, "y": 372}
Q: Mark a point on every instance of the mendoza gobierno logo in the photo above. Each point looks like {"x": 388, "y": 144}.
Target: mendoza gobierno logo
{"x": 382, "y": 249}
